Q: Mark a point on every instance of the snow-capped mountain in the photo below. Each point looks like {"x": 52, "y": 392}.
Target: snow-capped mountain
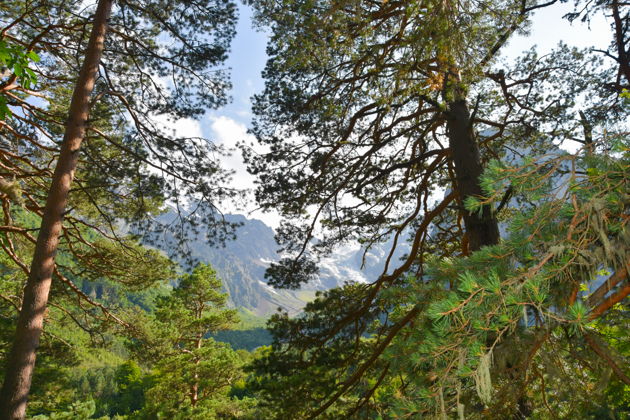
{"x": 241, "y": 264}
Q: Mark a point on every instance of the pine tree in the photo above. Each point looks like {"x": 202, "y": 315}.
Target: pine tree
{"x": 109, "y": 123}
{"x": 370, "y": 110}
{"x": 194, "y": 372}
{"x": 19, "y": 371}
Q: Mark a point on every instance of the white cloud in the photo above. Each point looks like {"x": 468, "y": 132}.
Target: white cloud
{"x": 185, "y": 127}
{"x": 228, "y": 132}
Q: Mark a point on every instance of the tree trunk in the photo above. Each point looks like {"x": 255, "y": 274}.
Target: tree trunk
{"x": 194, "y": 387}
{"x": 481, "y": 229}
{"x": 623, "y": 56}
{"x": 21, "y": 360}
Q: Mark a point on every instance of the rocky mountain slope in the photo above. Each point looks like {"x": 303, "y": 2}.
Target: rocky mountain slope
{"x": 241, "y": 264}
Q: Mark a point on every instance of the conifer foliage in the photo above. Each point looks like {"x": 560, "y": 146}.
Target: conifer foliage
{"x": 399, "y": 119}
{"x": 194, "y": 372}
{"x": 88, "y": 96}
{"x": 397, "y": 124}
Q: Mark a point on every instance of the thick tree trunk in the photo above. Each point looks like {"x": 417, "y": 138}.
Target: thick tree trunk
{"x": 481, "y": 229}
{"x": 21, "y": 360}
{"x": 623, "y": 56}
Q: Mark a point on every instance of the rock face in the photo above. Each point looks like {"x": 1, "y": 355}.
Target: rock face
{"x": 241, "y": 264}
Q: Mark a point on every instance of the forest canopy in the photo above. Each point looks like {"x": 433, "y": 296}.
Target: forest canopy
{"x": 398, "y": 125}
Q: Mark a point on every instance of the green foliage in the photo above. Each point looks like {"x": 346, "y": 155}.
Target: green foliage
{"x": 194, "y": 309}
{"x": 78, "y": 411}
{"x": 14, "y": 65}
{"x": 131, "y": 385}
{"x": 80, "y": 377}
{"x": 193, "y": 374}
{"x": 513, "y": 296}
{"x": 247, "y": 339}
{"x": 355, "y": 113}
{"x": 213, "y": 368}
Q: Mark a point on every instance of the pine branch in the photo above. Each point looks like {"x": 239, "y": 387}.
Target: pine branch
{"x": 358, "y": 374}
{"x": 604, "y": 354}
{"x": 610, "y": 302}
{"x": 608, "y": 285}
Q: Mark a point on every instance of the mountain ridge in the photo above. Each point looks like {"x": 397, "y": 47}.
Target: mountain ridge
{"x": 241, "y": 264}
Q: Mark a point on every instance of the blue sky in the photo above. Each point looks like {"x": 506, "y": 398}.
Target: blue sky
{"x": 228, "y": 125}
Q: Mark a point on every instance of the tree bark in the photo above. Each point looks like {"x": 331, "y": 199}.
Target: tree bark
{"x": 21, "y": 360}
{"x": 623, "y": 57}
{"x": 481, "y": 229}
{"x": 194, "y": 387}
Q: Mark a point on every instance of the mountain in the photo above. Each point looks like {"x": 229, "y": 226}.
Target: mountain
{"x": 241, "y": 264}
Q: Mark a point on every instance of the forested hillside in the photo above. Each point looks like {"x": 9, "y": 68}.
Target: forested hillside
{"x": 452, "y": 215}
